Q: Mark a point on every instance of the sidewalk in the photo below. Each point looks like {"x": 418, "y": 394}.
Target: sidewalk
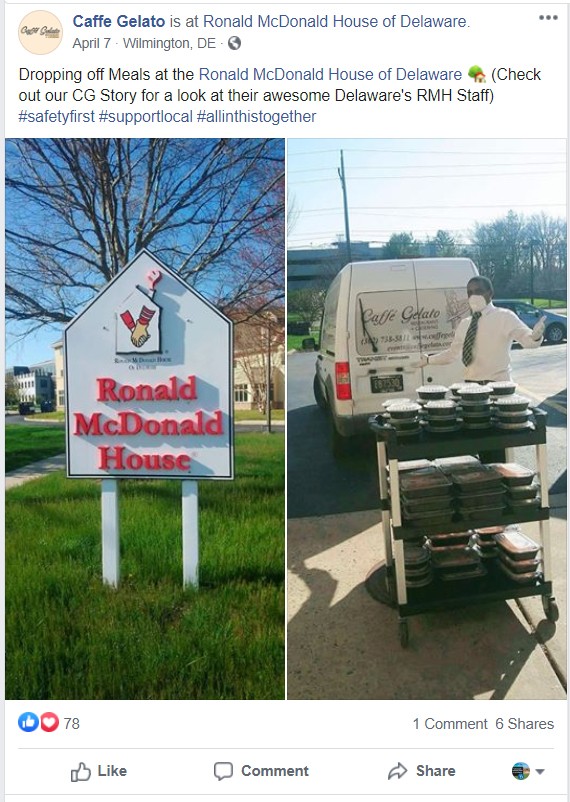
{"x": 342, "y": 644}
{"x": 35, "y": 471}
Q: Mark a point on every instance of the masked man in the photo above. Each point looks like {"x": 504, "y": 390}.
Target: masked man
{"x": 483, "y": 341}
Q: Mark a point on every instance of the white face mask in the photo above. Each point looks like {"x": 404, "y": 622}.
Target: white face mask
{"x": 477, "y": 303}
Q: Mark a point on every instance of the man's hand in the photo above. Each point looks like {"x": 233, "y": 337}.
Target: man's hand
{"x": 421, "y": 363}
{"x": 538, "y": 331}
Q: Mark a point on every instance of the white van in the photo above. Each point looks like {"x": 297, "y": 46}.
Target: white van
{"x": 377, "y": 320}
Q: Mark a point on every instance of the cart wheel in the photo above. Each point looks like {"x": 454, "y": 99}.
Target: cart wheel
{"x": 404, "y": 633}
{"x": 550, "y": 608}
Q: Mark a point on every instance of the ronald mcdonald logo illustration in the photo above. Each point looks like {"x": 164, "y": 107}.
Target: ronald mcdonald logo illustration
{"x": 138, "y": 320}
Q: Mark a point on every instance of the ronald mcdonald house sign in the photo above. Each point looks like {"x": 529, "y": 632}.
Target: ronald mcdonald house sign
{"x": 149, "y": 393}
{"x": 149, "y": 381}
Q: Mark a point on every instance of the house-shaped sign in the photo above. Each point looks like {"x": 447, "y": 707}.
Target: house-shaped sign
{"x": 149, "y": 380}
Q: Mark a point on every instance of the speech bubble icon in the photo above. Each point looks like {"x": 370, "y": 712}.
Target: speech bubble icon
{"x": 223, "y": 770}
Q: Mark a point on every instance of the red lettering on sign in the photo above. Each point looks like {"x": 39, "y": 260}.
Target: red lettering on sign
{"x": 188, "y": 390}
{"x": 110, "y": 427}
{"x": 117, "y": 458}
{"x": 109, "y": 390}
{"x": 129, "y": 424}
{"x": 214, "y": 426}
{"x": 106, "y": 390}
{"x": 84, "y": 426}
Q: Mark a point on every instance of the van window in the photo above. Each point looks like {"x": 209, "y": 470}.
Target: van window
{"x": 328, "y": 325}
{"x": 406, "y": 321}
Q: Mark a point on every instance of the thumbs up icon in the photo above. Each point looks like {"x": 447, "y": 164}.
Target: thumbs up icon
{"x": 82, "y": 774}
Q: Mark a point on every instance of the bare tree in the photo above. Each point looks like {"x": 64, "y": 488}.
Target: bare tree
{"x": 504, "y": 247}
{"x": 78, "y": 210}
{"x": 548, "y": 237}
{"x": 11, "y": 392}
{"x": 259, "y": 349}
{"x": 307, "y": 304}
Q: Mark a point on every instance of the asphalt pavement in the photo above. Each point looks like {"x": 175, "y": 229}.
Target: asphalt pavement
{"x": 342, "y": 643}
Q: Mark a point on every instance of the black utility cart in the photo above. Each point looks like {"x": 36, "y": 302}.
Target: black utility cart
{"x": 392, "y": 449}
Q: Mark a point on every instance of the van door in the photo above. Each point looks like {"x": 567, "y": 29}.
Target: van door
{"x": 442, "y": 304}
{"x": 383, "y": 343}
{"x": 328, "y": 340}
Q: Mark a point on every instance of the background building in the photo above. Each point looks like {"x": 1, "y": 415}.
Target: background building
{"x": 30, "y": 384}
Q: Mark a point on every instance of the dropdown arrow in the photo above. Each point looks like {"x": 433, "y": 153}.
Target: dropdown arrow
{"x": 539, "y": 771}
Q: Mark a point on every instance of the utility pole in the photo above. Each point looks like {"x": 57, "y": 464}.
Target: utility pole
{"x": 533, "y": 242}
{"x": 342, "y": 177}
{"x": 268, "y": 378}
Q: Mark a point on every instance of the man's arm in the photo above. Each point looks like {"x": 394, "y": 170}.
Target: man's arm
{"x": 528, "y": 338}
{"x": 455, "y": 349}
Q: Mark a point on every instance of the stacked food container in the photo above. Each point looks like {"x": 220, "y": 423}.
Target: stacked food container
{"x": 465, "y": 405}
{"x": 512, "y": 412}
{"x": 450, "y": 530}
{"x": 404, "y": 416}
{"x": 522, "y": 490}
{"x": 439, "y": 492}
{"x": 518, "y": 556}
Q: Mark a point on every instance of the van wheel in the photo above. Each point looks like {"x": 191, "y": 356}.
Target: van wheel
{"x": 340, "y": 445}
{"x": 555, "y": 333}
{"x": 318, "y": 393}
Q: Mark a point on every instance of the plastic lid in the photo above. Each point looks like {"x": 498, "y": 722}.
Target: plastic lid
{"x": 475, "y": 389}
{"x": 410, "y": 406}
{"x": 391, "y": 401}
{"x": 516, "y": 542}
{"x": 503, "y": 385}
{"x": 427, "y": 389}
{"x": 442, "y": 403}
{"x": 508, "y": 400}
{"x": 512, "y": 469}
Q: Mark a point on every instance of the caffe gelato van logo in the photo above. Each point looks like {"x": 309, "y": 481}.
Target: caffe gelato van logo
{"x": 40, "y": 32}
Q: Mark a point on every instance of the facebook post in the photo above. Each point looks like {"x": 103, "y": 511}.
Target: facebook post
{"x": 285, "y": 400}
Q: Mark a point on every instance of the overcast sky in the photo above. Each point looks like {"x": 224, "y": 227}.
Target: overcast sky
{"x": 396, "y": 185}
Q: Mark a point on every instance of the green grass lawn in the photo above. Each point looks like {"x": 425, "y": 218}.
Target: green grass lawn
{"x": 70, "y": 637}
{"x": 254, "y": 414}
{"x": 295, "y": 341}
{"x": 26, "y": 444}
{"x": 57, "y": 415}
{"x": 544, "y": 303}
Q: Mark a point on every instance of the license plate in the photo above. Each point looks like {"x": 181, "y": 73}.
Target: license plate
{"x": 387, "y": 384}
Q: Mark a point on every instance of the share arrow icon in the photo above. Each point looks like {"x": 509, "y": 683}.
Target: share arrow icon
{"x": 398, "y": 771}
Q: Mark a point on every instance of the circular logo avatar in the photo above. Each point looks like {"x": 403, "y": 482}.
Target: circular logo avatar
{"x": 40, "y": 32}
{"x": 520, "y": 771}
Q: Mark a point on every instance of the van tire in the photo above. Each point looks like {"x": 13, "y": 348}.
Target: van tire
{"x": 340, "y": 446}
{"x": 318, "y": 393}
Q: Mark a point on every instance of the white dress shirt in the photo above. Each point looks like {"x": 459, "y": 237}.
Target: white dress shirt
{"x": 496, "y": 331}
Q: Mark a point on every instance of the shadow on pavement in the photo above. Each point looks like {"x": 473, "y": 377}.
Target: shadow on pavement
{"x": 318, "y": 484}
{"x": 556, "y": 418}
{"x": 351, "y": 650}
{"x": 343, "y": 644}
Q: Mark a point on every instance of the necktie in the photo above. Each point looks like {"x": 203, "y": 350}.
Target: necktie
{"x": 469, "y": 341}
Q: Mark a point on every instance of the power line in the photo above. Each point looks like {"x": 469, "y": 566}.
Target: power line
{"x": 433, "y": 206}
{"x": 407, "y": 177}
{"x": 428, "y": 166}
{"x": 383, "y": 214}
{"x": 435, "y": 152}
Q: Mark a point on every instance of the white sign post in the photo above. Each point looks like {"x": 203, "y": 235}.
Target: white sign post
{"x": 149, "y": 394}
{"x": 190, "y": 533}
